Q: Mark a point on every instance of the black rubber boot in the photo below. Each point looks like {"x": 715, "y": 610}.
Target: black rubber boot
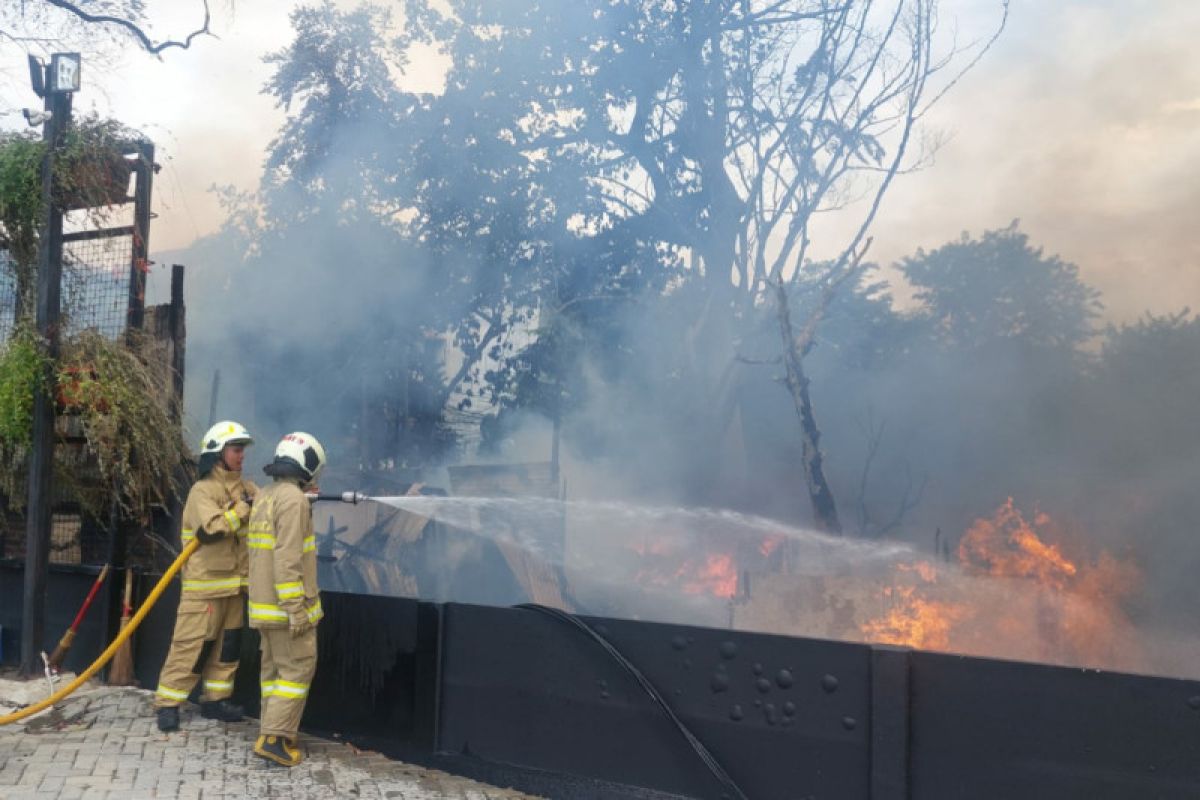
{"x": 279, "y": 749}
{"x": 223, "y": 710}
{"x": 168, "y": 719}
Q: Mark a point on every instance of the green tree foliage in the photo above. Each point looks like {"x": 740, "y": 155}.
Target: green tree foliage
{"x": 999, "y": 288}
{"x": 20, "y": 194}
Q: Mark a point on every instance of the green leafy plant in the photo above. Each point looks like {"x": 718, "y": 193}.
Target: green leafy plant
{"x": 22, "y": 365}
{"x": 20, "y": 195}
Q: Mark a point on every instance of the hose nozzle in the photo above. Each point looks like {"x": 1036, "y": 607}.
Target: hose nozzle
{"x": 353, "y": 498}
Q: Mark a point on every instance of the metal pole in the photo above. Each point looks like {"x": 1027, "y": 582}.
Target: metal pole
{"x": 41, "y": 459}
{"x": 212, "y": 398}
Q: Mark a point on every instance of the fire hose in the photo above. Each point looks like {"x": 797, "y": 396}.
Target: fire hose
{"x": 107, "y": 655}
{"x": 155, "y": 593}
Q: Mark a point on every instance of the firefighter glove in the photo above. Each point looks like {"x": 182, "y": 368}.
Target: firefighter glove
{"x": 242, "y": 510}
{"x": 299, "y": 624}
{"x": 208, "y": 538}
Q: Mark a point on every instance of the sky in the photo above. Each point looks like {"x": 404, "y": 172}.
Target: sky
{"x": 1083, "y": 122}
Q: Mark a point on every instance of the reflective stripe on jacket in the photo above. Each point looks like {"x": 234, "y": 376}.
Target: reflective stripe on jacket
{"x": 283, "y": 558}
{"x": 216, "y": 569}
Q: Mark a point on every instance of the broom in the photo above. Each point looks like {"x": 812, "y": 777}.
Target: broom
{"x": 121, "y": 671}
{"x": 64, "y": 644}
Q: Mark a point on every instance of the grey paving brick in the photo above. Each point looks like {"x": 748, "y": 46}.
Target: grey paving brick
{"x": 122, "y": 756}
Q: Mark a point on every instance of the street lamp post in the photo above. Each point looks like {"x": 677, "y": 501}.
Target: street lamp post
{"x": 57, "y": 83}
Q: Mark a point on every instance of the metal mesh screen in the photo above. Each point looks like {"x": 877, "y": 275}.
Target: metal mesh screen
{"x": 95, "y": 294}
{"x": 8, "y": 295}
{"x": 95, "y": 286}
{"x": 75, "y": 538}
{"x": 95, "y": 289}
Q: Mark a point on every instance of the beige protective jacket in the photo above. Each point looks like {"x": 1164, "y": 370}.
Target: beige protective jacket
{"x": 283, "y": 558}
{"x": 216, "y": 569}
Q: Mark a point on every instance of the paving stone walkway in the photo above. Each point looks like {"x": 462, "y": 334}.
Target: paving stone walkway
{"x": 103, "y": 744}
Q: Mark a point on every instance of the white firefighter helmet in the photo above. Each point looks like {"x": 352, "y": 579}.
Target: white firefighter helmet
{"x": 223, "y": 433}
{"x": 303, "y": 450}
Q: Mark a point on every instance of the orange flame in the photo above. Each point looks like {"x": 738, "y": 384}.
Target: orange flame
{"x": 1007, "y": 546}
{"x": 716, "y": 576}
{"x": 714, "y": 573}
{"x": 914, "y": 621}
{"x": 1064, "y": 612}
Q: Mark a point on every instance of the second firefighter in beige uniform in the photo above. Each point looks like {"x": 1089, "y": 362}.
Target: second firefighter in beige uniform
{"x": 285, "y": 604}
{"x": 206, "y": 644}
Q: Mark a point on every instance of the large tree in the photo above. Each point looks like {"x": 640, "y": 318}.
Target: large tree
{"x": 979, "y": 293}
{"x": 710, "y": 131}
{"x": 584, "y": 158}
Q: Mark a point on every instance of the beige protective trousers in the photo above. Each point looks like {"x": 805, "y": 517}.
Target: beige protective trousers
{"x": 288, "y": 665}
{"x": 206, "y": 644}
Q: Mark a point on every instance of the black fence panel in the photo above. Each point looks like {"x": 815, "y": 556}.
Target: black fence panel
{"x": 784, "y": 717}
{"x": 153, "y": 637}
{"x": 519, "y": 696}
{"x": 995, "y": 729}
{"x": 66, "y": 588}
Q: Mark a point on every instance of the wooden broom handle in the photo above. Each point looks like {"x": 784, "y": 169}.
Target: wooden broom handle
{"x": 127, "y": 608}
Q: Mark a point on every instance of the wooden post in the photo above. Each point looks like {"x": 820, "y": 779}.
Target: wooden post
{"x": 177, "y": 321}
{"x": 176, "y": 326}
{"x": 140, "y": 259}
{"x": 41, "y": 458}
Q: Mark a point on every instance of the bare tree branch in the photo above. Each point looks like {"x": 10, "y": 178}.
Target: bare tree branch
{"x": 909, "y": 498}
{"x": 138, "y": 33}
{"x": 471, "y": 357}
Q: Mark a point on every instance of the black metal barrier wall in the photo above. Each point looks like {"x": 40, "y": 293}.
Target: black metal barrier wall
{"x": 66, "y": 588}
{"x": 797, "y": 718}
{"x": 468, "y": 686}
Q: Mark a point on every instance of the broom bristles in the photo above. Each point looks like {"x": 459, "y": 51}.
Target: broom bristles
{"x": 120, "y": 672}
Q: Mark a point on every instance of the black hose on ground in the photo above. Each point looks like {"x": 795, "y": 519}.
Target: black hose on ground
{"x": 705, "y": 756}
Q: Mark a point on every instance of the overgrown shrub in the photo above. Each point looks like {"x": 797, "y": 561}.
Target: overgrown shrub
{"x": 122, "y": 406}
{"x": 134, "y": 448}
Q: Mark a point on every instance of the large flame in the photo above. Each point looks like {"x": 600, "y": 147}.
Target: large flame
{"x": 1014, "y": 593}
{"x": 914, "y": 620}
{"x": 1006, "y": 546}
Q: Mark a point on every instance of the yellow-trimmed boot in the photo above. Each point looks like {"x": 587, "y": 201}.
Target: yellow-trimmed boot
{"x": 279, "y": 749}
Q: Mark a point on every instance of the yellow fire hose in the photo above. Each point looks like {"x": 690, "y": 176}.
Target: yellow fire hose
{"x": 107, "y": 655}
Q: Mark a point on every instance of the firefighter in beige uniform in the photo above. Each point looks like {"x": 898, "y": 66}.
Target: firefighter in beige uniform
{"x": 285, "y": 605}
{"x": 208, "y": 624}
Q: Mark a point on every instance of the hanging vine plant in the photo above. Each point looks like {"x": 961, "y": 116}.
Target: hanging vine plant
{"x": 90, "y": 168}
{"x": 90, "y": 172}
